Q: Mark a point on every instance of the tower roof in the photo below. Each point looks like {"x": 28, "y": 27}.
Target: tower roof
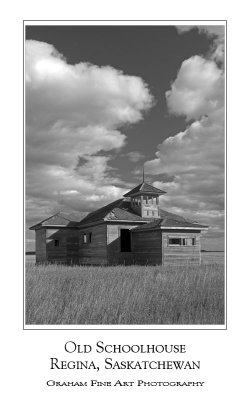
{"x": 144, "y": 188}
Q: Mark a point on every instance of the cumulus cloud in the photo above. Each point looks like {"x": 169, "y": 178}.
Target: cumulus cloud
{"x": 81, "y": 94}
{"x": 215, "y": 32}
{"x": 195, "y": 156}
{"x": 210, "y": 30}
{"x": 74, "y": 112}
{"x": 197, "y": 90}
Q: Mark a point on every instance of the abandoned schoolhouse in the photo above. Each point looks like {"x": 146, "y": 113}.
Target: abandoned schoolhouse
{"x": 131, "y": 230}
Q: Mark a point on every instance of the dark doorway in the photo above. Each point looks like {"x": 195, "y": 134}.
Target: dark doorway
{"x": 125, "y": 240}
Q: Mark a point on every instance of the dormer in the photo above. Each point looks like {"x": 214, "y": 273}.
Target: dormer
{"x": 144, "y": 200}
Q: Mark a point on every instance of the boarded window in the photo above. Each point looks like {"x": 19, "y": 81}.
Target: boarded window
{"x": 181, "y": 241}
{"x": 56, "y": 243}
{"x": 125, "y": 240}
{"x": 175, "y": 241}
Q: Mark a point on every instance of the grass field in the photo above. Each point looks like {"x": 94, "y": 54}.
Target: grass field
{"x": 57, "y": 294}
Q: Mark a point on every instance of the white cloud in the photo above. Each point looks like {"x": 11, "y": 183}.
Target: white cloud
{"x": 216, "y": 32}
{"x": 72, "y": 113}
{"x": 79, "y": 95}
{"x": 197, "y": 90}
{"x": 210, "y": 30}
{"x": 61, "y": 144}
{"x": 195, "y": 156}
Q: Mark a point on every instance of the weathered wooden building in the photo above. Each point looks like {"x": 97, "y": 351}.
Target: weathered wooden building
{"x": 131, "y": 230}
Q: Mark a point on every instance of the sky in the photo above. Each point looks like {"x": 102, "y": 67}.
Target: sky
{"x": 101, "y": 101}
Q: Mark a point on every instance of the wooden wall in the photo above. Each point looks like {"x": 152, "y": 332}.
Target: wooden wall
{"x": 41, "y": 255}
{"x": 114, "y": 254}
{"x": 72, "y": 246}
{"x": 181, "y": 255}
{"x": 67, "y": 251}
{"x": 147, "y": 247}
{"x": 96, "y": 251}
{"x": 56, "y": 254}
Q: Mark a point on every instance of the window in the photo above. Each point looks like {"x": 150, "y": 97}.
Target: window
{"x": 86, "y": 238}
{"x": 175, "y": 241}
{"x": 56, "y": 243}
{"x": 125, "y": 240}
{"x": 181, "y": 241}
{"x": 137, "y": 201}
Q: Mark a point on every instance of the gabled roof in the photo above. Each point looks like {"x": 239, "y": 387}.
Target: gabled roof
{"x": 58, "y": 219}
{"x": 144, "y": 188}
{"x": 118, "y": 210}
{"x": 171, "y": 221}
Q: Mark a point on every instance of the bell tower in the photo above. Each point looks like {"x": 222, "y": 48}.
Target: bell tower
{"x": 144, "y": 200}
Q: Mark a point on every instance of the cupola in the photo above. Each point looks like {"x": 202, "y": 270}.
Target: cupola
{"x": 144, "y": 200}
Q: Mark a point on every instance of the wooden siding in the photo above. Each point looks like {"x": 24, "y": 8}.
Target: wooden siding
{"x": 96, "y": 251}
{"x": 147, "y": 247}
{"x": 181, "y": 255}
{"x": 59, "y": 253}
{"x": 114, "y": 254}
{"x": 41, "y": 255}
{"x": 67, "y": 250}
{"x": 72, "y": 246}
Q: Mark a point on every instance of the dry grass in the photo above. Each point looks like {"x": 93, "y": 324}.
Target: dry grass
{"x": 57, "y": 294}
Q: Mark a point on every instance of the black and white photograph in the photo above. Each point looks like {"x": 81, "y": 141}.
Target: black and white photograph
{"x": 125, "y": 175}
{"x": 124, "y": 199}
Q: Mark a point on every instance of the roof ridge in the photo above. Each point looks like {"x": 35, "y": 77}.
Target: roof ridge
{"x": 63, "y": 216}
{"x": 54, "y": 215}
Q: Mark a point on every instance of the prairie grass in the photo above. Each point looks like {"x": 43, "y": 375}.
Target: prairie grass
{"x": 85, "y": 295}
